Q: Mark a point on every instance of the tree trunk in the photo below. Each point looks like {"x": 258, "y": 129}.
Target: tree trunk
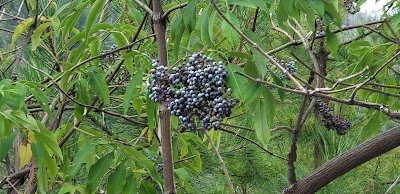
{"x": 346, "y": 162}
{"x": 164, "y": 113}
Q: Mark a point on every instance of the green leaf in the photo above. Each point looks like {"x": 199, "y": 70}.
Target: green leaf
{"x": 79, "y": 159}
{"x": 137, "y": 79}
{"x": 100, "y": 26}
{"x": 261, "y": 123}
{"x": 372, "y": 127}
{"x": 137, "y": 104}
{"x": 97, "y": 171}
{"x": 271, "y": 102}
{"x": 143, "y": 160}
{"x": 21, "y": 28}
{"x": 190, "y": 15}
{"x": 6, "y": 143}
{"x": 251, "y": 69}
{"x": 94, "y": 13}
{"x": 235, "y": 81}
{"x": 94, "y": 48}
{"x": 177, "y": 30}
{"x": 36, "y": 40}
{"x": 116, "y": 180}
{"x": 67, "y": 188}
{"x": 38, "y": 154}
{"x": 41, "y": 97}
{"x": 253, "y": 92}
{"x": 332, "y": 14}
{"x": 147, "y": 187}
{"x": 182, "y": 174}
{"x": 97, "y": 81}
{"x": 204, "y": 23}
{"x": 47, "y": 140}
{"x": 318, "y": 6}
{"x": 151, "y": 110}
{"x": 130, "y": 185}
{"x": 70, "y": 21}
{"x": 332, "y": 42}
{"x": 51, "y": 166}
{"x": 229, "y": 32}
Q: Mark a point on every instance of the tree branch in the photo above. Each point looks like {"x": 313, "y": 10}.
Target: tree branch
{"x": 347, "y": 161}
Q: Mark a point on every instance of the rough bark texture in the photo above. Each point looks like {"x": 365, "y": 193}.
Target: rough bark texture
{"x": 347, "y": 161}
{"x": 164, "y": 113}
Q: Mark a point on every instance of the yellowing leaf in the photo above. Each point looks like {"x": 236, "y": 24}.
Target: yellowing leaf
{"x": 25, "y": 154}
{"x": 20, "y": 29}
{"x": 140, "y": 171}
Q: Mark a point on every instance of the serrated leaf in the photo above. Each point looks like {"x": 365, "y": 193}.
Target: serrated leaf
{"x": 372, "y": 127}
{"x": 229, "y": 32}
{"x": 35, "y": 38}
{"x": 137, "y": 104}
{"x": 190, "y": 15}
{"x": 261, "y": 123}
{"x": 332, "y": 42}
{"x": 116, "y": 180}
{"x": 151, "y": 108}
{"x": 79, "y": 159}
{"x": 41, "y": 97}
{"x": 95, "y": 50}
{"x": 204, "y": 23}
{"x": 143, "y": 160}
{"x": 236, "y": 82}
{"x": 177, "y": 30}
{"x": 97, "y": 81}
{"x": 251, "y": 69}
{"x": 67, "y": 188}
{"x": 182, "y": 174}
{"x": 41, "y": 174}
{"x": 94, "y": 13}
{"x": 25, "y": 154}
{"x": 130, "y": 185}
{"x": 318, "y": 6}
{"x": 97, "y": 171}
{"x": 6, "y": 143}
{"x": 21, "y": 28}
{"x": 147, "y": 187}
{"x": 137, "y": 79}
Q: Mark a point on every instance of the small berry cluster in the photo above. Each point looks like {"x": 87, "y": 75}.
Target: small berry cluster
{"x": 351, "y": 6}
{"x": 320, "y": 29}
{"x": 195, "y": 91}
{"x": 331, "y": 122}
{"x": 111, "y": 56}
{"x": 290, "y": 66}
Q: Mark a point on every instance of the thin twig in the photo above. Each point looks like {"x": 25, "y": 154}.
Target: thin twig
{"x": 253, "y": 142}
{"x": 144, "y": 7}
{"x": 170, "y": 10}
{"x": 258, "y": 48}
{"x": 221, "y": 162}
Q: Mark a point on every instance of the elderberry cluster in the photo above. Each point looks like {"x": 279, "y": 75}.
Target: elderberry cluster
{"x": 351, "y": 6}
{"x": 331, "y": 122}
{"x": 194, "y": 92}
{"x": 320, "y": 29}
{"x": 110, "y": 56}
{"x": 290, "y": 66}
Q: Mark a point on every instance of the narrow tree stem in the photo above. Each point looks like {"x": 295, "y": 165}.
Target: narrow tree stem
{"x": 221, "y": 162}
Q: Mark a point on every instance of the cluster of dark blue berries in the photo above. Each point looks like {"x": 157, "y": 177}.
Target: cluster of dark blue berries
{"x": 110, "y": 56}
{"x": 195, "y": 92}
{"x": 320, "y": 29}
{"x": 290, "y": 66}
{"x": 331, "y": 122}
{"x": 351, "y": 6}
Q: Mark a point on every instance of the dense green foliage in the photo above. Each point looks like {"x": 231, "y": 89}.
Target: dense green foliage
{"x": 76, "y": 117}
